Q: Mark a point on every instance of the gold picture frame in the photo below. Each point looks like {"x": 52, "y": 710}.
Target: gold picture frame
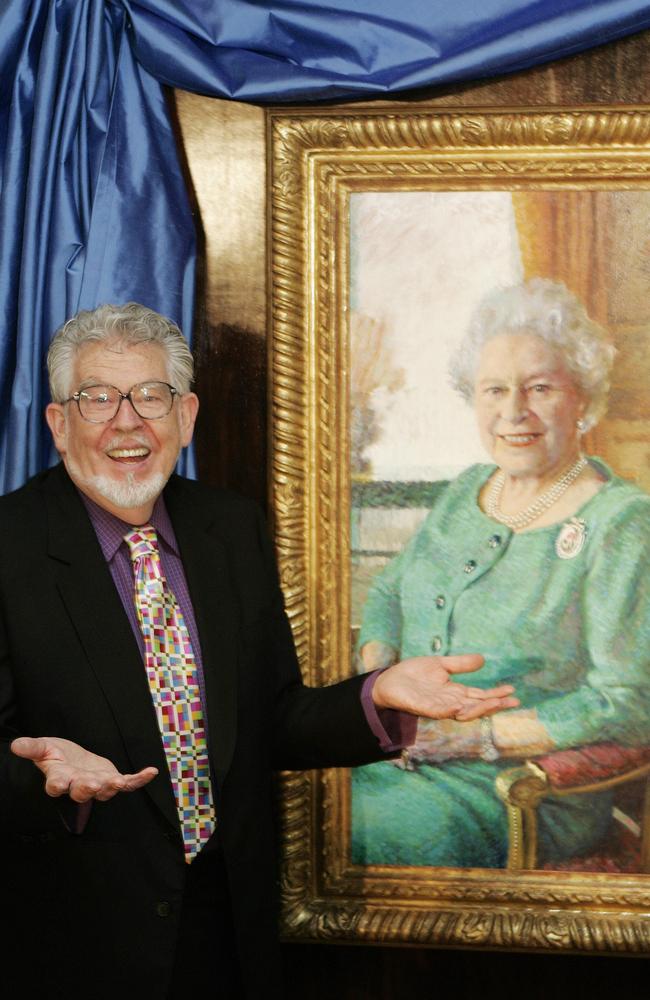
{"x": 317, "y": 160}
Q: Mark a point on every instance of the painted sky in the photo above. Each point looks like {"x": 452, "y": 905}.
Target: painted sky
{"x": 420, "y": 262}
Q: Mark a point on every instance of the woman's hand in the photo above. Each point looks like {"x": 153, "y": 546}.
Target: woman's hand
{"x": 376, "y": 655}
{"x": 514, "y": 734}
{"x": 444, "y": 739}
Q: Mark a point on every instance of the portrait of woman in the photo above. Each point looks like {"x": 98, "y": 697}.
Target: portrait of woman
{"x": 538, "y": 560}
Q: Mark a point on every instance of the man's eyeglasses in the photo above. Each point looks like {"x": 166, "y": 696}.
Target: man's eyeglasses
{"x": 100, "y": 403}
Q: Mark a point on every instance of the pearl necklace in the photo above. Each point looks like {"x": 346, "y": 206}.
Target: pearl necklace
{"x": 542, "y": 503}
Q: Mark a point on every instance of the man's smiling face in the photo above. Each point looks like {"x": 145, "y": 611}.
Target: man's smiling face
{"x": 124, "y": 463}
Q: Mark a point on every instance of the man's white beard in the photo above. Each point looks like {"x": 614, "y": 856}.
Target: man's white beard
{"x": 128, "y": 493}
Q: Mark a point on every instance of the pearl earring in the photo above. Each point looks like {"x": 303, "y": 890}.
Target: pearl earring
{"x": 581, "y": 425}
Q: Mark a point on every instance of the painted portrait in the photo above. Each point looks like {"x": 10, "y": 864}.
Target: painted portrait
{"x": 460, "y": 463}
{"x": 499, "y": 477}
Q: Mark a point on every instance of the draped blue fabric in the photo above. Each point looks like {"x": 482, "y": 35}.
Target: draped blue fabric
{"x": 93, "y": 205}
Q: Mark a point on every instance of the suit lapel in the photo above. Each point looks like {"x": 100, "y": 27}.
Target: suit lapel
{"x": 93, "y": 603}
{"x": 216, "y": 613}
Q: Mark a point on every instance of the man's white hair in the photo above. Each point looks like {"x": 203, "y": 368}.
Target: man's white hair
{"x": 120, "y": 326}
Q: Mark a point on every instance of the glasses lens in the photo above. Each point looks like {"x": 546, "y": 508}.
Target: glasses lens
{"x": 98, "y": 403}
{"x": 152, "y": 399}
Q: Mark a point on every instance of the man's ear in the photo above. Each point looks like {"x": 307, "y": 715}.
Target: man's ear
{"x": 188, "y": 408}
{"x": 55, "y": 416}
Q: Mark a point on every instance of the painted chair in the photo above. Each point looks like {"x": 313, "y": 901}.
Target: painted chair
{"x": 593, "y": 768}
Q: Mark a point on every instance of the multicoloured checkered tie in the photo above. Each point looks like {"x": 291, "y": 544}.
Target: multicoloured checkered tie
{"x": 173, "y": 680}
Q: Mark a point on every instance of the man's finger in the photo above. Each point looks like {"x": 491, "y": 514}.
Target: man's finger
{"x": 83, "y": 791}
{"x": 478, "y": 709}
{"x": 106, "y": 788}
{"x": 58, "y": 784}
{"x": 110, "y": 788}
{"x": 126, "y": 783}
{"x": 465, "y": 663}
{"x": 134, "y": 781}
{"x": 80, "y": 796}
{"x": 32, "y": 748}
{"x": 482, "y": 694}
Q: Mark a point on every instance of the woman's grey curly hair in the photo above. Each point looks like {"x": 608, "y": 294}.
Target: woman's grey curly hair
{"x": 550, "y": 311}
{"x": 122, "y": 326}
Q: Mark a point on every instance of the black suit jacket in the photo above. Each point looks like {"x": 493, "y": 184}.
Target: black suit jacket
{"x": 70, "y": 667}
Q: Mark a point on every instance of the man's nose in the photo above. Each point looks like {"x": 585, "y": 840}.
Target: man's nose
{"x": 127, "y": 417}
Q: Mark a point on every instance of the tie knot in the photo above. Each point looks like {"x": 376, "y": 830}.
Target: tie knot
{"x": 142, "y": 541}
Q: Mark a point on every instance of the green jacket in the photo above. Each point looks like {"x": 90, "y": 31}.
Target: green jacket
{"x": 573, "y": 634}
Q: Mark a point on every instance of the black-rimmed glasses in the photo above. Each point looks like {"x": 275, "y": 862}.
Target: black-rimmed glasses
{"x": 100, "y": 403}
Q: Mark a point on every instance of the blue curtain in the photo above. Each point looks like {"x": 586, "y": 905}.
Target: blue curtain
{"x": 93, "y": 206}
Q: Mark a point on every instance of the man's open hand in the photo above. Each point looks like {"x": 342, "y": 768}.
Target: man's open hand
{"x": 423, "y": 686}
{"x": 71, "y": 770}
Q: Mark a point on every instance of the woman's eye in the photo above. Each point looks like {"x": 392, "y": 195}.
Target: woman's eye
{"x": 541, "y": 387}
{"x": 493, "y": 390}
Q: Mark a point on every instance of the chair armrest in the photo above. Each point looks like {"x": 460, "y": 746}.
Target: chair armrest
{"x": 567, "y": 772}
{"x": 521, "y": 788}
{"x": 598, "y": 765}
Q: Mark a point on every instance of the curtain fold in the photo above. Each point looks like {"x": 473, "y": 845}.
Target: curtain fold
{"x": 292, "y": 50}
{"x": 93, "y": 206}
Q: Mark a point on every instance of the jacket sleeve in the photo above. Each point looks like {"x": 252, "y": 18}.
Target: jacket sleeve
{"x": 312, "y": 727}
{"x": 382, "y": 612}
{"x": 24, "y": 806}
{"x": 613, "y": 701}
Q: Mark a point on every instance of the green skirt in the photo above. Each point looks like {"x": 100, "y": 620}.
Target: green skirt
{"x": 449, "y": 815}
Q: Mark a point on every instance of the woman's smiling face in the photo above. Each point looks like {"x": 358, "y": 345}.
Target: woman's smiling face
{"x": 527, "y": 406}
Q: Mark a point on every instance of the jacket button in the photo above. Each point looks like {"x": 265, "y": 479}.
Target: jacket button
{"x": 494, "y": 541}
{"x": 469, "y": 566}
{"x": 163, "y": 909}
{"x": 440, "y": 601}
{"x": 436, "y": 644}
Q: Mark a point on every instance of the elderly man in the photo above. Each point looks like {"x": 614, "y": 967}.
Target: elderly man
{"x": 149, "y": 686}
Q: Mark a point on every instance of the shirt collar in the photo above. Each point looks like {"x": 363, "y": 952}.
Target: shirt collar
{"x": 110, "y": 530}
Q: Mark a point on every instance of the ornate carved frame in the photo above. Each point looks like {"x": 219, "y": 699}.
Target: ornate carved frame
{"x": 317, "y": 159}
